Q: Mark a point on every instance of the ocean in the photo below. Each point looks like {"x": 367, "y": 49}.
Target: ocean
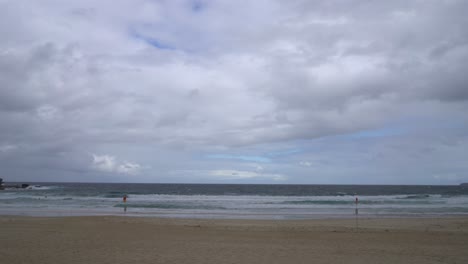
{"x": 235, "y": 201}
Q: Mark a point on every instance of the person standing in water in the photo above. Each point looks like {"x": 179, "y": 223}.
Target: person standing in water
{"x": 125, "y": 201}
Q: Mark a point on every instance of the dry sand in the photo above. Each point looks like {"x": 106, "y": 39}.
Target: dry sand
{"x": 151, "y": 240}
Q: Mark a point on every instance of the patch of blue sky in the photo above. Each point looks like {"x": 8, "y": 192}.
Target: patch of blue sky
{"x": 249, "y": 158}
{"x": 283, "y": 153}
{"x": 152, "y": 41}
{"x": 376, "y": 133}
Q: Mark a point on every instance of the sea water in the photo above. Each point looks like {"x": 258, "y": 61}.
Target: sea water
{"x": 234, "y": 201}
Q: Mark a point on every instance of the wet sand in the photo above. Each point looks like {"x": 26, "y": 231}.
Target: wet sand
{"x": 111, "y": 239}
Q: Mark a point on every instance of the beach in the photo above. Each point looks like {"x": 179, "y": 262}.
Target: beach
{"x": 114, "y": 239}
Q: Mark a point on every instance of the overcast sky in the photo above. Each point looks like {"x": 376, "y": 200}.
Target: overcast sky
{"x": 314, "y": 92}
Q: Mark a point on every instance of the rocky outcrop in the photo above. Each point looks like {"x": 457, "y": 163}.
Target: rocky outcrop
{"x": 17, "y": 186}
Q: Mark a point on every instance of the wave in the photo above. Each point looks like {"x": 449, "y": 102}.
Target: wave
{"x": 114, "y": 195}
{"x": 168, "y": 206}
{"x": 366, "y": 202}
{"x": 40, "y": 187}
{"x": 31, "y": 188}
{"x": 415, "y": 196}
{"x": 330, "y": 202}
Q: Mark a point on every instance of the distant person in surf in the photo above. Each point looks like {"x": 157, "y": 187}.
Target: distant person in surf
{"x": 356, "y": 210}
{"x": 125, "y": 201}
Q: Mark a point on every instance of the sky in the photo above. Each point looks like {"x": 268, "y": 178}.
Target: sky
{"x": 267, "y": 91}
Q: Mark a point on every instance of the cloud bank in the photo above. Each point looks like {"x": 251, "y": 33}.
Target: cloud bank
{"x": 217, "y": 85}
{"x": 106, "y": 163}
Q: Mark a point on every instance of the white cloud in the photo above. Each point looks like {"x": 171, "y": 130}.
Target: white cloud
{"x": 7, "y": 148}
{"x": 128, "y": 168}
{"x": 239, "y": 174}
{"x": 448, "y": 177}
{"x": 107, "y": 163}
{"x": 305, "y": 163}
{"x": 104, "y": 163}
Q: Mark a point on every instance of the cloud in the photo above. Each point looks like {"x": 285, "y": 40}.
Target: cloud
{"x": 47, "y": 113}
{"x": 104, "y": 163}
{"x": 450, "y": 177}
{"x": 258, "y": 167}
{"x": 129, "y": 168}
{"x": 107, "y": 163}
{"x": 237, "y": 174}
{"x": 303, "y": 75}
{"x": 239, "y": 157}
{"x": 186, "y": 78}
{"x": 7, "y": 148}
{"x": 230, "y": 175}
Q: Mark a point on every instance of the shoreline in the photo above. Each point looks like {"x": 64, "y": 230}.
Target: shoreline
{"x": 364, "y": 222}
{"x": 215, "y": 215}
{"x": 117, "y": 239}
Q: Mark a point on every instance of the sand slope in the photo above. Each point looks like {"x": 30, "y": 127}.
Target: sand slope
{"x": 149, "y": 240}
